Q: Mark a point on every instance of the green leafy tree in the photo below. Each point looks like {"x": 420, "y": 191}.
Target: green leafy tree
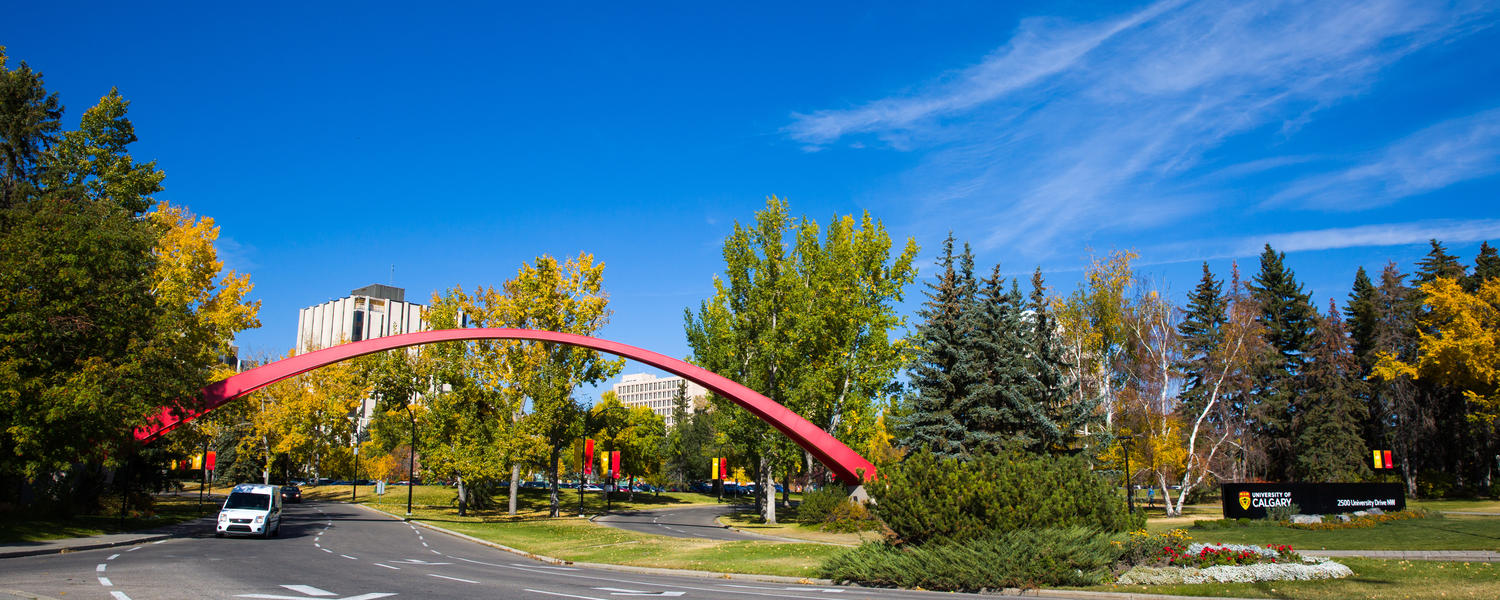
{"x": 1486, "y": 267}
{"x": 1055, "y": 390}
{"x": 29, "y": 122}
{"x": 566, "y": 297}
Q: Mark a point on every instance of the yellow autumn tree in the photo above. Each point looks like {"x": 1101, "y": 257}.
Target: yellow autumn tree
{"x": 207, "y": 306}
{"x": 1458, "y": 346}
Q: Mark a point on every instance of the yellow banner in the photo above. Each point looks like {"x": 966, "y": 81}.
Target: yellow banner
{"x": 1379, "y": 464}
{"x": 714, "y": 472}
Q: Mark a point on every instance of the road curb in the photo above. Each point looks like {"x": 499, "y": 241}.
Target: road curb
{"x": 20, "y": 595}
{"x": 609, "y": 567}
{"x": 81, "y": 547}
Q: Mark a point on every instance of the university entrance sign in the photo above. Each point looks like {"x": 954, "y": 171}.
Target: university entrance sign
{"x": 1252, "y": 500}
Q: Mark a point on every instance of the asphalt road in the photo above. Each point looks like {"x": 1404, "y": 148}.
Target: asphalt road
{"x": 690, "y": 522}
{"x": 340, "y": 552}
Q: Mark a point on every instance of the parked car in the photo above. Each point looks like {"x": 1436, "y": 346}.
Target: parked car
{"x": 251, "y": 509}
{"x": 703, "y": 487}
{"x": 291, "y": 493}
{"x": 592, "y": 488}
{"x": 533, "y": 484}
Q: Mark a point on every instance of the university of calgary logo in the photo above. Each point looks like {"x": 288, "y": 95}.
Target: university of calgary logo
{"x": 1245, "y": 500}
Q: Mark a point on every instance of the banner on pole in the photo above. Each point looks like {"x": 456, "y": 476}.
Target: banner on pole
{"x": 209, "y": 462}
{"x": 724, "y": 468}
{"x": 713, "y": 472}
{"x": 614, "y": 464}
{"x": 588, "y": 457}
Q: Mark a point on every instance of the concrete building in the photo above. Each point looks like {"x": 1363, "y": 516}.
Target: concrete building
{"x": 656, "y": 393}
{"x": 369, "y": 312}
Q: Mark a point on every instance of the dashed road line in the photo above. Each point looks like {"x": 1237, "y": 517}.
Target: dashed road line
{"x": 99, "y": 568}
{"x": 134, "y": 549}
{"x": 326, "y": 550}
{"x": 104, "y": 581}
{"x": 112, "y": 557}
{"x": 348, "y": 557}
{"x": 387, "y": 566}
{"x": 119, "y": 595}
{"x": 563, "y": 595}
{"x": 453, "y": 578}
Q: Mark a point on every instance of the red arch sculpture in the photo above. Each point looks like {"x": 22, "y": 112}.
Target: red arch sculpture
{"x": 847, "y": 465}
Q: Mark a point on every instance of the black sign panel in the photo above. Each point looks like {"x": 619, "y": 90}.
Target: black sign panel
{"x": 1250, "y": 500}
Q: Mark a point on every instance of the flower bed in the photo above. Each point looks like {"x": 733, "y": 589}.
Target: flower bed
{"x": 1310, "y": 568}
{"x": 1170, "y": 558}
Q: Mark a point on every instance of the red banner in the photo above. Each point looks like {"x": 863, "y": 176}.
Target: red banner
{"x": 724, "y": 468}
{"x": 1388, "y": 463}
{"x": 208, "y": 463}
{"x": 588, "y": 457}
{"x": 614, "y": 464}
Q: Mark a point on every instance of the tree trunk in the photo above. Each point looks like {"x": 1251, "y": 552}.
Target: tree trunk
{"x": 515, "y": 485}
{"x": 768, "y": 491}
{"x": 463, "y": 498}
{"x": 555, "y": 509}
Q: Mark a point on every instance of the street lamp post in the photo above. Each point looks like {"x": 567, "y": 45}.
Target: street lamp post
{"x": 1129, "y": 491}
{"x": 411, "y": 460}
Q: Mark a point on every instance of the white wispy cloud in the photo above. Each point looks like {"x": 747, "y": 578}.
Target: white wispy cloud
{"x": 1434, "y": 158}
{"x": 1362, "y": 236}
{"x": 1072, "y": 129}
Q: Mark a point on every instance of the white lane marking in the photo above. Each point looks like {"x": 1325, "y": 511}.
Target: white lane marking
{"x": 387, "y": 566}
{"x": 563, "y": 595}
{"x": 99, "y": 568}
{"x": 418, "y": 561}
{"x": 436, "y": 552}
{"x": 158, "y": 541}
{"x": 119, "y": 595}
{"x": 134, "y": 549}
{"x": 348, "y": 557}
{"x": 104, "y": 581}
{"x": 326, "y": 550}
{"x": 623, "y": 592}
{"x": 424, "y": 544}
{"x": 113, "y": 556}
{"x": 309, "y": 590}
{"x": 317, "y": 544}
{"x": 452, "y": 578}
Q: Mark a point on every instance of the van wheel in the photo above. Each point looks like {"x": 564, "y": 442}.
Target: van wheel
{"x": 218, "y": 534}
{"x": 276, "y": 532}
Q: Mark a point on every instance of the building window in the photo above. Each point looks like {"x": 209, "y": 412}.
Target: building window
{"x": 359, "y": 326}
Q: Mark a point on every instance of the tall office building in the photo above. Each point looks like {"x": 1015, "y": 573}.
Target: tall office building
{"x": 656, "y": 393}
{"x": 369, "y": 312}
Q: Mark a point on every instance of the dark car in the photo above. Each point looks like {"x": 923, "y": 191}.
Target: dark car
{"x": 291, "y": 493}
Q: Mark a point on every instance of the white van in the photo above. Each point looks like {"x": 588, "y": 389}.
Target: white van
{"x": 252, "y": 509}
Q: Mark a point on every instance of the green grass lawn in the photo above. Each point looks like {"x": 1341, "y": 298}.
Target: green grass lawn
{"x": 166, "y": 510}
{"x": 579, "y": 540}
{"x": 529, "y": 501}
{"x": 1383, "y": 579}
{"x": 1437, "y": 533}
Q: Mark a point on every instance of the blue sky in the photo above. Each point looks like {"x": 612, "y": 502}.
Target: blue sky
{"x": 334, "y": 142}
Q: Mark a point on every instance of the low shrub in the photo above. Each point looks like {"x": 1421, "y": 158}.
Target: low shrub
{"x": 849, "y": 517}
{"x": 816, "y": 505}
{"x": 1282, "y": 514}
{"x": 1435, "y": 484}
{"x": 926, "y": 498}
{"x": 1015, "y": 559}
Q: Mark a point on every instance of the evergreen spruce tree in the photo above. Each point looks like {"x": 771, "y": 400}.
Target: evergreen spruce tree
{"x": 1363, "y": 319}
{"x": 1329, "y": 445}
{"x": 942, "y": 373}
{"x": 1288, "y": 319}
{"x": 1438, "y": 263}
{"x": 1202, "y": 332}
{"x": 1486, "y": 267}
{"x": 1049, "y": 367}
{"x": 999, "y": 411}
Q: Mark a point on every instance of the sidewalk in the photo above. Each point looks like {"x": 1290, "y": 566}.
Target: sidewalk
{"x": 58, "y": 546}
{"x": 1448, "y": 555}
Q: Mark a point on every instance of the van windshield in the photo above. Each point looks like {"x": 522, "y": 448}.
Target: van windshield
{"x": 249, "y": 501}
